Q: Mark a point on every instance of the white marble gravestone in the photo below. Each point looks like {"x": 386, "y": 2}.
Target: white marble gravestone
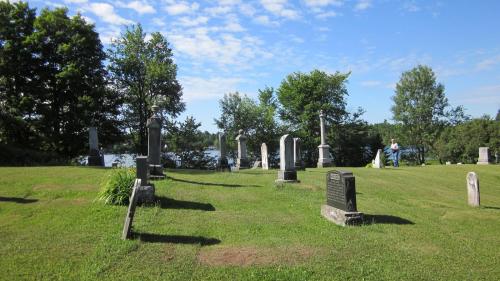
{"x": 324, "y": 159}
{"x": 287, "y": 171}
{"x": 472, "y": 189}
{"x": 483, "y": 156}
{"x": 264, "y": 156}
{"x": 377, "y": 163}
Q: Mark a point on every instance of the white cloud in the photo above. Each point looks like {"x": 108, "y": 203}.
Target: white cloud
{"x": 140, "y": 7}
{"x": 363, "y": 5}
{"x": 411, "y": 6}
{"x": 325, "y": 15}
{"x": 186, "y": 21}
{"x": 198, "y": 88}
{"x": 485, "y": 95}
{"x": 264, "y": 20}
{"x": 371, "y": 83}
{"x": 323, "y": 3}
{"x": 159, "y": 21}
{"x": 488, "y": 63}
{"x": 106, "y": 13}
{"x": 108, "y": 34}
{"x": 74, "y": 1}
{"x": 279, "y": 8}
{"x": 296, "y": 39}
{"x": 218, "y": 10}
{"x": 182, "y": 7}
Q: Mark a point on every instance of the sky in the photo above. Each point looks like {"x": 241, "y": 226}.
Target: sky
{"x": 234, "y": 45}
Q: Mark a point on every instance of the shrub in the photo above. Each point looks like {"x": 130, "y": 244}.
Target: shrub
{"x": 117, "y": 187}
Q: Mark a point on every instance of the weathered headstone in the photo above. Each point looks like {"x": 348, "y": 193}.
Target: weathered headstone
{"x": 154, "y": 125}
{"x": 242, "y": 161}
{"x": 264, "y": 156}
{"x": 287, "y": 171}
{"x": 324, "y": 159}
{"x": 473, "y": 189}
{"x": 297, "y": 155}
{"x": 96, "y": 158}
{"x": 146, "y": 192}
{"x": 222, "y": 163}
{"x": 256, "y": 164}
{"x": 340, "y": 205}
{"x": 127, "y": 226}
{"x": 378, "y": 160}
{"x": 483, "y": 156}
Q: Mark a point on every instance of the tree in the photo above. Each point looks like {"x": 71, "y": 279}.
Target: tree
{"x": 302, "y": 96}
{"x": 420, "y": 106}
{"x": 144, "y": 73}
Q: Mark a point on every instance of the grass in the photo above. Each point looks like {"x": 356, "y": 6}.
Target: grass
{"x": 239, "y": 226}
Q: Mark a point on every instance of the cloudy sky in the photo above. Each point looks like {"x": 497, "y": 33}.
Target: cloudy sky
{"x": 232, "y": 45}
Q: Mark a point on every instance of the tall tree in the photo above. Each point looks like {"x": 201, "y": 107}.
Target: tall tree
{"x": 421, "y": 107}
{"x": 144, "y": 73}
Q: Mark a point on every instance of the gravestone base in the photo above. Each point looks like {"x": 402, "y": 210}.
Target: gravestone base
{"x": 300, "y": 166}
{"x": 242, "y": 164}
{"x": 96, "y": 161}
{"x": 483, "y": 163}
{"x": 324, "y": 164}
{"x": 156, "y": 172}
{"x": 286, "y": 176}
{"x": 223, "y": 164}
{"x": 341, "y": 217}
{"x": 146, "y": 194}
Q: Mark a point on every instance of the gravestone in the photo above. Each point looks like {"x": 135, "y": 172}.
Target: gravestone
{"x": 297, "y": 155}
{"x": 340, "y": 205}
{"x": 127, "y": 226}
{"x": 473, "y": 189}
{"x": 448, "y": 163}
{"x": 377, "y": 163}
{"x": 242, "y": 161}
{"x": 115, "y": 164}
{"x": 483, "y": 156}
{"x": 154, "y": 125}
{"x": 287, "y": 171}
{"x": 324, "y": 159}
{"x": 146, "y": 192}
{"x": 264, "y": 156}
{"x": 96, "y": 158}
{"x": 222, "y": 163}
{"x": 256, "y": 164}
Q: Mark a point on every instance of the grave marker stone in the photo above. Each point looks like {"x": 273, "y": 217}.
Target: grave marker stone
{"x": 146, "y": 192}
{"x": 222, "y": 163}
{"x": 264, "y": 156}
{"x": 297, "y": 154}
{"x": 287, "y": 171}
{"x": 324, "y": 159}
{"x": 127, "y": 226}
{"x": 473, "y": 189}
{"x": 483, "y": 156}
{"x": 96, "y": 158}
{"x": 378, "y": 160}
{"x": 242, "y": 161}
{"x": 154, "y": 125}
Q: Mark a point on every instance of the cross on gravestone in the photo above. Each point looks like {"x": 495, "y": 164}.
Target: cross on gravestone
{"x": 127, "y": 226}
{"x": 483, "y": 156}
{"x": 222, "y": 163}
{"x": 378, "y": 160}
{"x": 473, "y": 189}
{"x": 340, "y": 205}
{"x": 287, "y": 171}
{"x": 154, "y": 125}
{"x": 264, "y": 156}
{"x": 242, "y": 161}
{"x": 324, "y": 159}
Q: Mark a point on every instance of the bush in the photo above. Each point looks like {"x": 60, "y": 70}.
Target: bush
{"x": 117, "y": 187}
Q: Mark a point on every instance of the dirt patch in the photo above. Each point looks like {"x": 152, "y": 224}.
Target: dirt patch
{"x": 76, "y": 187}
{"x": 169, "y": 252}
{"x": 249, "y": 256}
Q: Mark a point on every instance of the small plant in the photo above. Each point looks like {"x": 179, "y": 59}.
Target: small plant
{"x": 117, "y": 187}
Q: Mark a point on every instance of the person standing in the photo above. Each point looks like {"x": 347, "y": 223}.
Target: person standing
{"x": 395, "y": 152}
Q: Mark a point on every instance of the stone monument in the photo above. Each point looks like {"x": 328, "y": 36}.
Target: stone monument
{"x": 146, "y": 192}
{"x": 96, "y": 158}
{"x": 378, "y": 160}
{"x": 154, "y": 145}
{"x": 264, "y": 156}
{"x": 324, "y": 159}
{"x": 472, "y": 189}
{"x": 340, "y": 205}
{"x": 242, "y": 161}
{"x": 287, "y": 171}
{"x": 483, "y": 156}
{"x": 297, "y": 155}
{"x": 127, "y": 226}
{"x": 222, "y": 163}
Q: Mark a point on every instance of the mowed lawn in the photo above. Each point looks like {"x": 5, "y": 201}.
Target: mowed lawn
{"x": 240, "y": 226}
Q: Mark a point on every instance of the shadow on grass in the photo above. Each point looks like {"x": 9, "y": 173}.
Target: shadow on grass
{"x": 169, "y": 203}
{"x": 211, "y": 183}
{"x": 190, "y": 171}
{"x": 176, "y": 239}
{"x": 17, "y": 200}
{"x": 385, "y": 219}
{"x": 490, "y": 207}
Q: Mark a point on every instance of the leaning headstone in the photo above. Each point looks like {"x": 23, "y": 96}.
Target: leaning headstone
{"x": 483, "y": 156}
{"x": 154, "y": 125}
{"x": 340, "y": 205}
{"x": 96, "y": 158}
{"x": 127, "y": 226}
{"x": 324, "y": 159}
{"x": 146, "y": 192}
{"x": 242, "y": 161}
{"x": 377, "y": 163}
{"x": 222, "y": 163}
{"x": 264, "y": 156}
{"x": 297, "y": 155}
{"x": 256, "y": 164}
{"x": 473, "y": 189}
{"x": 287, "y": 171}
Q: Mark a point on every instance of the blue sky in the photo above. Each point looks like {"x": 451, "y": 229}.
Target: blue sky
{"x": 230, "y": 45}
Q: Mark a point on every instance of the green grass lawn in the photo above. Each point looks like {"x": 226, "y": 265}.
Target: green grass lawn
{"x": 239, "y": 226}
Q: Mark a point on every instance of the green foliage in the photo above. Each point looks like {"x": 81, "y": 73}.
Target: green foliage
{"x": 116, "y": 187}
{"x": 144, "y": 72}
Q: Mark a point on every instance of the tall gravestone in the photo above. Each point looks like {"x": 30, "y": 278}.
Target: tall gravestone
{"x": 242, "y": 161}
{"x": 483, "y": 156}
{"x": 297, "y": 155}
{"x": 377, "y": 163}
{"x": 95, "y": 156}
{"x": 154, "y": 145}
{"x": 473, "y": 189}
{"x": 264, "y": 156}
{"x": 222, "y": 163}
{"x": 287, "y": 171}
{"x": 324, "y": 159}
{"x": 341, "y": 205}
{"x": 146, "y": 192}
